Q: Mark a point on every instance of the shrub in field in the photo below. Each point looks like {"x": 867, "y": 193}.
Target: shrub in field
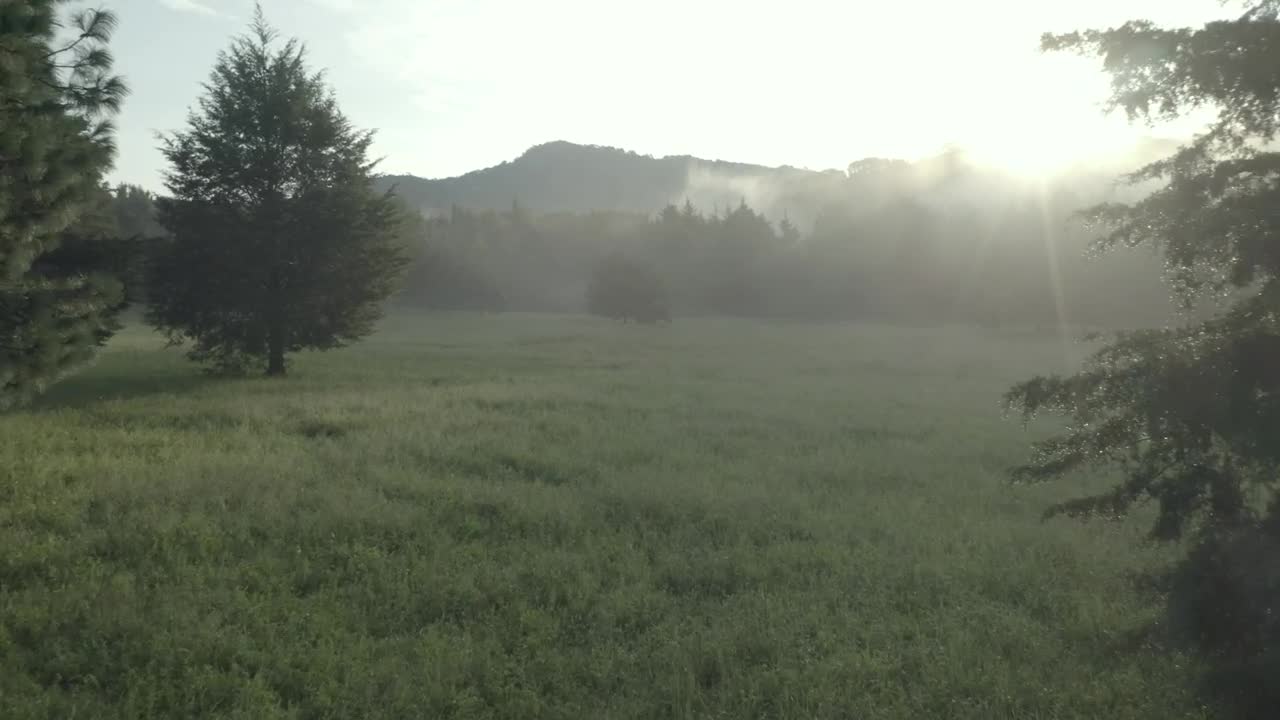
{"x": 624, "y": 289}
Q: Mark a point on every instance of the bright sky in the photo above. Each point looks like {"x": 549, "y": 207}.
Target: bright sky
{"x": 457, "y": 85}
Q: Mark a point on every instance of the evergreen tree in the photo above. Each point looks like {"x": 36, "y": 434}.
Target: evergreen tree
{"x": 1191, "y": 415}
{"x": 278, "y": 241}
{"x": 58, "y": 295}
{"x": 788, "y": 233}
{"x": 137, "y": 227}
{"x": 689, "y": 212}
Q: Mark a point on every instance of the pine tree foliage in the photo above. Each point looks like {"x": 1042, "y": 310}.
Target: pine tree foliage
{"x": 57, "y": 303}
{"x": 278, "y": 241}
{"x": 1191, "y": 414}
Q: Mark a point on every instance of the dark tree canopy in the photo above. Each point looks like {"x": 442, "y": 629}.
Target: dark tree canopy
{"x": 1191, "y": 414}
{"x": 58, "y": 292}
{"x": 278, "y": 241}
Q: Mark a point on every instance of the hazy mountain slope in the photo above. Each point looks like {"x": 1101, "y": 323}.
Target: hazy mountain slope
{"x": 565, "y": 176}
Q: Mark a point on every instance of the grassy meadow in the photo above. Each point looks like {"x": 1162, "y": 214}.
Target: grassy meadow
{"x": 524, "y": 516}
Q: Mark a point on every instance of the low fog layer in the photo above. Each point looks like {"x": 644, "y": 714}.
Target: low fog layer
{"x": 943, "y": 239}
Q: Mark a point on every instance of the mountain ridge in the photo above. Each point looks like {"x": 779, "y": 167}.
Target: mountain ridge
{"x": 551, "y": 146}
{"x": 563, "y": 176}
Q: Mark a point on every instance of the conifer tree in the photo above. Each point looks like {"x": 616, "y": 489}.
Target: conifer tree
{"x": 278, "y": 242}
{"x": 58, "y": 293}
{"x": 1190, "y": 415}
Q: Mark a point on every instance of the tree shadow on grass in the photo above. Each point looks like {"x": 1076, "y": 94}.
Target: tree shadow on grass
{"x": 101, "y": 385}
{"x": 1223, "y": 622}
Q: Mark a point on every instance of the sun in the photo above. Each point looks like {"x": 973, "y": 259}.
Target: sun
{"x": 1042, "y": 118}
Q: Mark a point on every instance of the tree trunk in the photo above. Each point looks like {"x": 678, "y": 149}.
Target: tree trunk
{"x": 275, "y": 350}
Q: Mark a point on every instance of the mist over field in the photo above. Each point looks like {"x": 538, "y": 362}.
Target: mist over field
{"x": 942, "y": 240}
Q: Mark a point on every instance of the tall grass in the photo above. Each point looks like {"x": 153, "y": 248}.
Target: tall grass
{"x": 541, "y": 517}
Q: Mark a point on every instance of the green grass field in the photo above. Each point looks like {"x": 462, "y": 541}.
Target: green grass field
{"x": 541, "y": 517}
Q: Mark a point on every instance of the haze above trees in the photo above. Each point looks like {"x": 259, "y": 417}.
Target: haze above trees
{"x": 940, "y": 240}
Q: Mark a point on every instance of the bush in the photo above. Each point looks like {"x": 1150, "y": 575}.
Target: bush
{"x": 624, "y": 289}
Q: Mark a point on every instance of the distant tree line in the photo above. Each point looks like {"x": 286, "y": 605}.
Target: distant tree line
{"x": 928, "y": 242}
{"x": 887, "y": 255}
{"x": 896, "y": 256}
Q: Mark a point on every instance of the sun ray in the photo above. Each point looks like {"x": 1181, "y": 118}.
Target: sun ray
{"x": 1048, "y": 230}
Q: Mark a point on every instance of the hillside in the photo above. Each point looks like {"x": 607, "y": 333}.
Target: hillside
{"x": 566, "y": 176}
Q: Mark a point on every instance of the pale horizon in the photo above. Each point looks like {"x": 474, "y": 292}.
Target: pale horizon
{"x": 455, "y": 86}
